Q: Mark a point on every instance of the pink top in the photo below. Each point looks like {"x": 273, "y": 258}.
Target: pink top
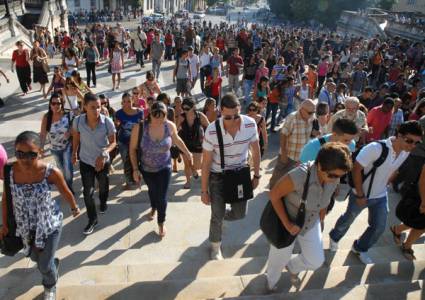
{"x": 141, "y": 103}
{"x": 260, "y": 73}
{"x": 322, "y": 69}
{"x": 3, "y": 160}
{"x": 379, "y": 121}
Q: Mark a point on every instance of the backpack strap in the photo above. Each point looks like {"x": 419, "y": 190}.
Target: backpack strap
{"x": 139, "y": 141}
{"x": 322, "y": 140}
{"x": 376, "y": 164}
{"x": 6, "y": 188}
{"x": 220, "y": 142}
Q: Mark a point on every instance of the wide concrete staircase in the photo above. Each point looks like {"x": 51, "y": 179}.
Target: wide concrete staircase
{"x": 125, "y": 258}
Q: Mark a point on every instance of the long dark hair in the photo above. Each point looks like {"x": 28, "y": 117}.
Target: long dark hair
{"x": 50, "y": 112}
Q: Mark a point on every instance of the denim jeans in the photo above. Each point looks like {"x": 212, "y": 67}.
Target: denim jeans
{"x": 247, "y": 88}
{"x": 158, "y": 183}
{"x": 45, "y": 259}
{"x": 218, "y": 208}
{"x": 88, "y": 174}
{"x": 156, "y": 67}
{"x": 139, "y": 58}
{"x": 128, "y": 170}
{"x": 272, "y": 108}
{"x": 378, "y": 212}
{"x": 64, "y": 163}
{"x": 283, "y": 108}
{"x": 168, "y": 53}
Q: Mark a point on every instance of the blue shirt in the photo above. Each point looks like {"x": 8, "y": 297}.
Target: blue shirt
{"x": 126, "y": 124}
{"x": 311, "y": 149}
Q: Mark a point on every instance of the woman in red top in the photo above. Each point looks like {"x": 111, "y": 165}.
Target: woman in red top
{"x": 213, "y": 83}
{"x": 20, "y": 58}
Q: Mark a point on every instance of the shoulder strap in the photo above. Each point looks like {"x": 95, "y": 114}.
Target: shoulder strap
{"x": 376, "y": 164}
{"x": 306, "y": 185}
{"x": 220, "y": 142}
{"x": 322, "y": 141}
{"x": 140, "y": 135}
{"x": 6, "y": 188}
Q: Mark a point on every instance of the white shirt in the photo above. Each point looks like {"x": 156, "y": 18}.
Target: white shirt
{"x": 235, "y": 149}
{"x": 193, "y": 62}
{"x": 368, "y": 155}
{"x": 205, "y": 59}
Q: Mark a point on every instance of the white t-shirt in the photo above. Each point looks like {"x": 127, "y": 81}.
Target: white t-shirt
{"x": 194, "y": 61}
{"x": 368, "y": 155}
{"x": 235, "y": 149}
{"x": 205, "y": 59}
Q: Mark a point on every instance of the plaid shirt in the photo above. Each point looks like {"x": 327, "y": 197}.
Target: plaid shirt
{"x": 396, "y": 120}
{"x": 298, "y": 133}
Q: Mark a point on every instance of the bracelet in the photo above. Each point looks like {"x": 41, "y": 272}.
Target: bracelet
{"x": 257, "y": 176}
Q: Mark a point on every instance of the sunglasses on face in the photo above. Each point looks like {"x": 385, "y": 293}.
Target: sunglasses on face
{"x": 333, "y": 176}
{"x": 411, "y": 142}
{"x": 26, "y": 155}
{"x": 186, "y": 108}
{"x": 135, "y": 93}
{"x": 252, "y": 109}
{"x": 229, "y": 118}
{"x": 55, "y": 103}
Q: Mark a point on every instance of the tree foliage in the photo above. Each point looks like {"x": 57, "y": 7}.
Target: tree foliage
{"x": 386, "y": 4}
{"x": 324, "y": 11}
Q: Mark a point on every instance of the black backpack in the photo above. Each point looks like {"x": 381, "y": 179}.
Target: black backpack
{"x": 10, "y": 244}
{"x": 376, "y": 164}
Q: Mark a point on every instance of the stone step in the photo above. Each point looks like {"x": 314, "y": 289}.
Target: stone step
{"x": 134, "y": 267}
{"x": 409, "y": 290}
{"x": 232, "y": 286}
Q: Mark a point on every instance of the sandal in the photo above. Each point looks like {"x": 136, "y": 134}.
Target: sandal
{"x": 162, "y": 230}
{"x": 186, "y": 186}
{"x": 396, "y": 237}
{"x": 195, "y": 175}
{"x": 408, "y": 253}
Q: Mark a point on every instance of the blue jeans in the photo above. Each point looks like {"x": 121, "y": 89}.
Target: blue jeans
{"x": 158, "y": 183}
{"x": 247, "y": 88}
{"x": 272, "y": 108}
{"x": 64, "y": 163}
{"x": 378, "y": 212}
{"x": 128, "y": 170}
{"x": 156, "y": 67}
{"x": 45, "y": 259}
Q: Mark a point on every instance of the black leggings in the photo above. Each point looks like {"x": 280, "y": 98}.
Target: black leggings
{"x": 91, "y": 70}
{"x": 24, "y": 77}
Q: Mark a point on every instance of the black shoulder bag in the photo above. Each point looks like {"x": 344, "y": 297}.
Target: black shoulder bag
{"x": 10, "y": 244}
{"x": 237, "y": 185}
{"x": 272, "y": 227}
{"x": 139, "y": 148}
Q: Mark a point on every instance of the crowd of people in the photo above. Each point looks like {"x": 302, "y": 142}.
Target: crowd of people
{"x": 350, "y": 111}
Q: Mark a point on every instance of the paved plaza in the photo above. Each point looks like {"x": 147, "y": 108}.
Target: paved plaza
{"x": 125, "y": 259}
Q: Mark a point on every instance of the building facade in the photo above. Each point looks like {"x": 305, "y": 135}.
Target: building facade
{"x": 409, "y": 6}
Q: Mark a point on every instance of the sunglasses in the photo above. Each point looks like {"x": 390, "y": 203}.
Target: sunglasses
{"x": 135, "y": 93}
{"x": 158, "y": 113}
{"x": 234, "y": 117}
{"x": 309, "y": 112}
{"x": 333, "y": 176}
{"x": 252, "y": 109}
{"x": 186, "y": 108}
{"x": 26, "y": 155}
{"x": 55, "y": 103}
{"x": 411, "y": 142}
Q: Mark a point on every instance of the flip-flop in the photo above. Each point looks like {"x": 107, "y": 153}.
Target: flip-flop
{"x": 187, "y": 186}
{"x": 396, "y": 237}
{"x": 408, "y": 253}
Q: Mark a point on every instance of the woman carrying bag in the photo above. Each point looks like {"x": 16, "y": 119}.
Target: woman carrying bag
{"x": 308, "y": 187}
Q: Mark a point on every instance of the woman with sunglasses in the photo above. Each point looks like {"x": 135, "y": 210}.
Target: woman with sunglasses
{"x": 72, "y": 96}
{"x": 37, "y": 214}
{"x": 191, "y": 125}
{"x": 56, "y": 124}
{"x": 20, "y": 59}
{"x": 125, "y": 119}
{"x": 253, "y": 111}
{"x": 150, "y": 88}
{"x": 332, "y": 162}
{"x": 159, "y": 134}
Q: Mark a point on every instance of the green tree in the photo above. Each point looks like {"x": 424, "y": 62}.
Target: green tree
{"x": 386, "y": 4}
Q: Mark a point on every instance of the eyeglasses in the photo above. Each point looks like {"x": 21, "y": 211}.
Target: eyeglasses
{"x": 26, "y": 155}
{"x": 157, "y": 113}
{"x": 229, "y": 118}
{"x": 333, "y": 176}
{"x": 55, "y": 103}
{"x": 411, "y": 142}
{"x": 186, "y": 108}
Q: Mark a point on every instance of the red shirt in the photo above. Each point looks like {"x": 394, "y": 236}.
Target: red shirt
{"x": 220, "y": 43}
{"x": 232, "y": 61}
{"x": 168, "y": 39}
{"x": 20, "y": 59}
{"x": 215, "y": 86}
{"x": 379, "y": 121}
{"x": 66, "y": 41}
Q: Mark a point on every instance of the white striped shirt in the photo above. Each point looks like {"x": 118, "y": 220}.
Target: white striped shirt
{"x": 235, "y": 149}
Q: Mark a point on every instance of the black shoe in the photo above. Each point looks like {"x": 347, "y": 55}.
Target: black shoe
{"x": 90, "y": 227}
{"x": 103, "y": 208}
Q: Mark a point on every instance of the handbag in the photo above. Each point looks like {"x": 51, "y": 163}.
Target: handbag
{"x": 10, "y": 244}
{"x": 45, "y": 66}
{"x": 272, "y": 226}
{"x": 407, "y": 209}
{"x": 237, "y": 185}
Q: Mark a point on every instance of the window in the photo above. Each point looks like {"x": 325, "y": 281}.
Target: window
{"x": 77, "y": 3}
{"x": 411, "y": 2}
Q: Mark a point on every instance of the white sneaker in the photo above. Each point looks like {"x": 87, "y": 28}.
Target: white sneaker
{"x": 363, "y": 256}
{"x": 215, "y": 251}
{"x": 50, "y": 294}
{"x": 333, "y": 245}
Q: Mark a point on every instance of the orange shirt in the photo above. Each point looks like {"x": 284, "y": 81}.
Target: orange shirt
{"x": 312, "y": 79}
{"x": 274, "y": 96}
